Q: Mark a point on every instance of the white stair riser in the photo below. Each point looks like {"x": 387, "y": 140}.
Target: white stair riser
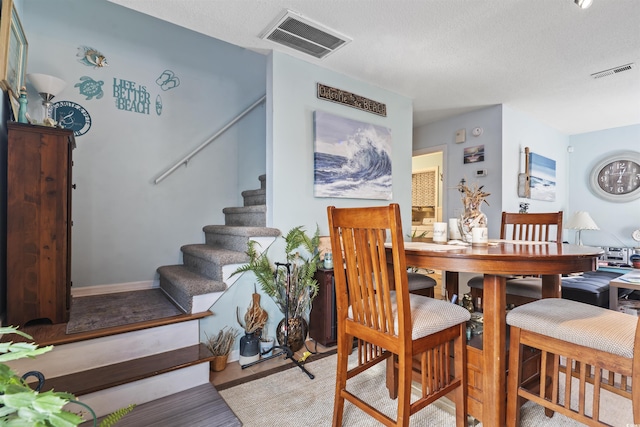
{"x": 104, "y": 402}
{"x": 82, "y": 355}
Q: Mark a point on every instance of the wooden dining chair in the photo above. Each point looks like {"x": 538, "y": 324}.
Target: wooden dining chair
{"x": 530, "y": 227}
{"x": 597, "y": 346}
{"x": 375, "y": 307}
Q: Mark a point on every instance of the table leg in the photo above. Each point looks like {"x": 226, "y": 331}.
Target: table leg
{"x": 451, "y": 280}
{"x": 613, "y": 296}
{"x": 551, "y": 288}
{"x": 494, "y": 351}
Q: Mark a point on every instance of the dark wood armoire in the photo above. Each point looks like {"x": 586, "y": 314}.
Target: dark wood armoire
{"x": 39, "y": 164}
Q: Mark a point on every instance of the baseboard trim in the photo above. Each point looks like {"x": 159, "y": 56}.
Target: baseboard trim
{"x": 114, "y": 288}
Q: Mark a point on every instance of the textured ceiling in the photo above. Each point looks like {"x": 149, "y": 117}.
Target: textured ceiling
{"x": 453, "y": 56}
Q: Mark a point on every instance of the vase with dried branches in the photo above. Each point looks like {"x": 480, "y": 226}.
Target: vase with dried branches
{"x": 254, "y": 320}
{"x": 220, "y": 346}
{"x": 472, "y": 216}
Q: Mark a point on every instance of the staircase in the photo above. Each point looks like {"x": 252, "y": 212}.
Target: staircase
{"x": 197, "y": 283}
{"x": 161, "y": 366}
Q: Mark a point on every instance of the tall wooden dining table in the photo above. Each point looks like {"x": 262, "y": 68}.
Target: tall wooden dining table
{"x": 550, "y": 260}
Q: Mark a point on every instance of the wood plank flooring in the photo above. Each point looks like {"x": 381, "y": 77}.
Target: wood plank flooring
{"x": 200, "y": 406}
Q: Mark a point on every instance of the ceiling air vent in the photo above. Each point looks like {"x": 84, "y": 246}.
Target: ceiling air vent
{"x": 613, "y": 71}
{"x": 296, "y": 32}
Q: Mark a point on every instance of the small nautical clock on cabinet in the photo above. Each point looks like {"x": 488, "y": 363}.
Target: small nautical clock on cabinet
{"x": 616, "y": 177}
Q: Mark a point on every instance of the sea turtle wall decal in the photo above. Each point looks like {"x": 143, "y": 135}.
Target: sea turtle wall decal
{"x": 90, "y": 88}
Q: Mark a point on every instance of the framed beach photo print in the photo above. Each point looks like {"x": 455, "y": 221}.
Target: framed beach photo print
{"x": 352, "y": 159}
{"x": 13, "y": 49}
{"x": 543, "y": 177}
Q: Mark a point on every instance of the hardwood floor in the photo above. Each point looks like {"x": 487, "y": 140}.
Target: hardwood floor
{"x": 234, "y": 375}
{"x": 46, "y": 334}
{"x": 231, "y": 376}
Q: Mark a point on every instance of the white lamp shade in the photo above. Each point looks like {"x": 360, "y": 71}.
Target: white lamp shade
{"x": 47, "y": 86}
{"x": 581, "y": 220}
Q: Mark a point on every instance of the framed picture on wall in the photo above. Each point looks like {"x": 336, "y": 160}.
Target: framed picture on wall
{"x": 474, "y": 154}
{"x": 352, "y": 159}
{"x": 13, "y": 50}
{"x": 543, "y": 177}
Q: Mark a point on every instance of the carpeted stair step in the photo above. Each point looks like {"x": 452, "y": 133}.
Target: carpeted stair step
{"x": 246, "y": 216}
{"x": 200, "y": 406}
{"x": 254, "y": 197}
{"x": 183, "y": 285}
{"x": 235, "y": 238}
{"x": 208, "y": 260}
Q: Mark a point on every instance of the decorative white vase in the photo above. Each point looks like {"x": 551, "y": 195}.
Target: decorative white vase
{"x": 266, "y": 346}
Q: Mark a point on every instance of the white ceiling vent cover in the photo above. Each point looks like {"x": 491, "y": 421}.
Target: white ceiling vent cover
{"x": 613, "y": 71}
{"x": 304, "y": 35}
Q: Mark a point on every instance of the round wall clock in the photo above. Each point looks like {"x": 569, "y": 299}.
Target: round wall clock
{"x": 617, "y": 177}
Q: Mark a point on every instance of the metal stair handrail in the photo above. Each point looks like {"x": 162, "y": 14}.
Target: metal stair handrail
{"x": 185, "y": 160}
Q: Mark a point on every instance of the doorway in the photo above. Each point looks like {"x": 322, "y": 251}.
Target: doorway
{"x": 426, "y": 192}
{"x": 427, "y": 200}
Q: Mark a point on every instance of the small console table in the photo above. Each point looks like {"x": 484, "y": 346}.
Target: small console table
{"x": 322, "y": 318}
{"x": 630, "y": 280}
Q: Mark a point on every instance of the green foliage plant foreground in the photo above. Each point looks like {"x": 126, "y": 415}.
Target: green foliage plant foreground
{"x": 301, "y": 251}
{"x": 21, "y": 406}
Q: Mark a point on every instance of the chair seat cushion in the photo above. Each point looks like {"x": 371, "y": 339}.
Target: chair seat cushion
{"x": 420, "y": 281}
{"x": 578, "y": 323}
{"x": 429, "y": 315}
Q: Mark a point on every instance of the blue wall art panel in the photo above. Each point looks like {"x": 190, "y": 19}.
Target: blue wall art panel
{"x": 352, "y": 159}
{"x": 543, "y": 177}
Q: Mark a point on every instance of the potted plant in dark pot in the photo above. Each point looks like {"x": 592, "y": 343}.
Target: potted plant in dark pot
{"x": 292, "y": 288}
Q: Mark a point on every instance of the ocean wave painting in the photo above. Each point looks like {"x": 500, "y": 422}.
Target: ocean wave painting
{"x": 352, "y": 159}
{"x": 543, "y": 177}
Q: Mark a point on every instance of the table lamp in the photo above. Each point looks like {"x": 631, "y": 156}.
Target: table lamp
{"x": 48, "y": 87}
{"x": 581, "y": 220}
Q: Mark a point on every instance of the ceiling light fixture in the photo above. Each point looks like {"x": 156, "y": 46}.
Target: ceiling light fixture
{"x": 583, "y": 4}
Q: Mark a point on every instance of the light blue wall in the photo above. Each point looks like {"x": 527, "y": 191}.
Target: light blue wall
{"x": 443, "y": 133}
{"x": 293, "y": 97}
{"x": 616, "y": 220}
{"x": 518, "y": 130}
{"x": 125, "y": 226}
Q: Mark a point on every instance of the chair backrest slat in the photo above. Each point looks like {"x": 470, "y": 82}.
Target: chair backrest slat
{"x": 364, "y": 286}
{"x": 540, "y": 227}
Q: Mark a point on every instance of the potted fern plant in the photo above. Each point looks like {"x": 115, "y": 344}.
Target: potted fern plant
{"x": 300, "y": 286}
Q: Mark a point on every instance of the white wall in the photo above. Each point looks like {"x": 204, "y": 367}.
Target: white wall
{"x": 616, "y": 220}
{"x": 125, "y": 226}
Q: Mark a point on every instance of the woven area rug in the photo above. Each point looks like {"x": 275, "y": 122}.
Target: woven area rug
{"x": 122, "y": 308}
{"x": 291, "y": 398}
